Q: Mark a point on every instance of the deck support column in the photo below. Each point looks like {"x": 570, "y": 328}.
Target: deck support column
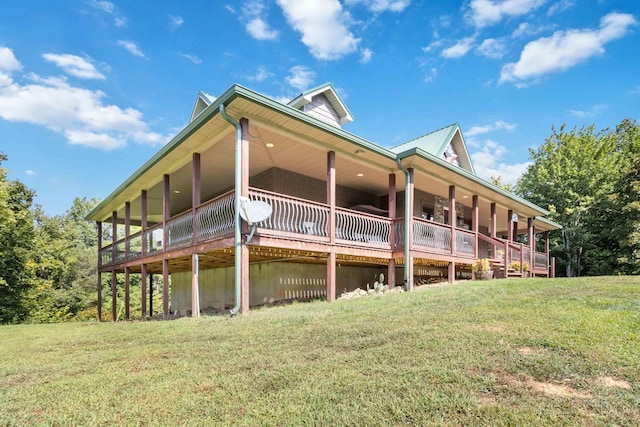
{"x": 151, "y": 295}
{"x": 391, "y": 270}
{"x": 99, "y": 308}
{"x": 244, "y": 191}
{"x": 99, "y": 313}
{"x": 114, "y": 277}
{"x": 475, "y": 223}
{"x": 165, "y": 289}
{"x": 331, "y": 225}
{"x": 143, "y": 268}
{"x": 195, "y": 286}
{"x": 166, "y": 214}
{"x": 127, "y": 289}
{"x": 195, "y": 195}
{"x": 143, "y": 296}
{"x": 494, "y": 232}
{"x": 408, "y": 263}
{"x": 114, "y": 298}
{"x": 551, "y": 274}
{"x": 507, "y": 249}
{"x": 451, "y": 274}
{"x": 531, "y": 239}
{"x": 127, "y": 271}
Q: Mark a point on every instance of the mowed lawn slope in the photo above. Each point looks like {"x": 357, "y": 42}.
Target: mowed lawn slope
{"x": 501, "y": 352}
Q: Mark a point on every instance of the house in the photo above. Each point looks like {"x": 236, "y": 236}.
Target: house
{"x": 342, "y": 209}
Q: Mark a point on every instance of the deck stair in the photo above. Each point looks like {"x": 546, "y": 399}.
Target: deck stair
{"x": 497, "y": 265}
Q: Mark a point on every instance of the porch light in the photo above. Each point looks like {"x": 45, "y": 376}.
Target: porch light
{"x": 360, "y": 174}
{"x": 269, "y": 145}
{"x": 176, "y": 191}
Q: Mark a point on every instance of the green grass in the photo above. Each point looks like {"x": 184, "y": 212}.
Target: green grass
{"x": 502, "y": 352}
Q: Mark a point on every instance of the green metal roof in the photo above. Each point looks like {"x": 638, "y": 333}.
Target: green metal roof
{"x": 434, "y": 142}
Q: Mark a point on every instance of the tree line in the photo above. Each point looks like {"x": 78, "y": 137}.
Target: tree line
{"x": 589, "y": 181}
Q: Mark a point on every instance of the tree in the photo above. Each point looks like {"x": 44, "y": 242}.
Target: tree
{"x": 570, "y": 172}
{"x": 16, "y": 240}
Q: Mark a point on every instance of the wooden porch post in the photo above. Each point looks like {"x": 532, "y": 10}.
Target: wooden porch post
{"x": 408, "y": 263}
{"x": 151, "y": 295}
{"x": 452, "y": 223}
{"x": 552, "y": 274}
{"x": 531, "y": 237}
{"x": 99, "y": 223}
{"x": 195, "y": 286}
{"x": 494, "y": 231}
{"x": 195, "y": 194}
{"x": 195, "y": 203}
{"x": 244, "y": 191}
{"x": 331, "y": 225}
{"x": 391, "y": 271}
{"x": 127, "y": 287}
{"x": 114, "y": 277}
{"x": 166, "y": 213}
{"x": 475, "y": 223}
{"x": 165, "y": 289}
{"x": 143, "y": 225}
{"x": 143, "y": 285}
{"x": 127, "y": 282}
{"x": 143, "y": 268}
{"x": 507, "y": 249}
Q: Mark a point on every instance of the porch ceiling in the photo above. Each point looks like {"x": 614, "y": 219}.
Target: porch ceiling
{"x": 275, "y": 140}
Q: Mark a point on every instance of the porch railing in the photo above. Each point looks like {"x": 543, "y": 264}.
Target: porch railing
{"x": 215, "y": 218}
{"x": 361, "y": 228}
{"x": 291, "y": 217}
{"x": 431, "y": 235}
{"x": 465, "y": 243}
{"x": 541, "y": 261}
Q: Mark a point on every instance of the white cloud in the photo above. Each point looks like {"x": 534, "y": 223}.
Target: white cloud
{"x": 77, "y": 113}
{"x": 491, "y": 48}
{"x": 74, "y": 65}
{"x": 488, "y": 163}
{"x": 565, "y": 49}
{"x": 593, "y": 111}
{"x": 365, "y": 55}
{"x": 300, "y": 77}
{"x": 261, "y": 74}
{"x": 433, "y": 45}
{"x": 324, "y": 26}
{"x": 635, "y": 91}
{"x": 431, "y": 74}
{"x": 110, "y": 9}
{"x": 175, "y": 22}
{"x": 8, "y": 61}
{"x": 253, "y": 16}
{"x": 382, "y": 5}
{"x": 491, "y": 127}
{"x": 460, "y": 49}
{"x": 192, "y": 58}
{"x": 560, "y": 6}
{"x": 30, "y": 172}
{"x": 483, "y": 13}
{"x": 230, "y": 8}
{"x": 259, "y": 29}
{"x": 131, "y": 47}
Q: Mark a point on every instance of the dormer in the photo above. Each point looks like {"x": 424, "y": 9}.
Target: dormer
{"x": 323, "y": 103}
{"x": 202, "y": 101}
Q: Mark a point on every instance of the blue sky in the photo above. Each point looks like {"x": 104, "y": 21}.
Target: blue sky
{"x": 91, "y": 89}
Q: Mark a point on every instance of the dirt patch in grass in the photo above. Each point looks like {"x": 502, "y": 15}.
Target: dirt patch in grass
{"x": 559, "y": 390}
{"x": 530, "y": 351}
{"x": 611, "y": 382}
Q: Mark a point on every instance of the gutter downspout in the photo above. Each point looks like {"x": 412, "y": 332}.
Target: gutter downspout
{"x": 407, "y": 218}
{"x": 236, "y": 205}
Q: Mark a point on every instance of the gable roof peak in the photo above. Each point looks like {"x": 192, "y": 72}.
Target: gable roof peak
{"x": 343, "y": 115}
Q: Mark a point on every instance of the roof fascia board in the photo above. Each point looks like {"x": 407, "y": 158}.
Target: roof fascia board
{"x": 466, "y": 174}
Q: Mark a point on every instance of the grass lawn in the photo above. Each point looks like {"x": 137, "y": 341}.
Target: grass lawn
{"x": 502, "y": 352}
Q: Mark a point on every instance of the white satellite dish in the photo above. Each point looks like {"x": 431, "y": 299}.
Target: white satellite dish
{"x": 254, "y": 211}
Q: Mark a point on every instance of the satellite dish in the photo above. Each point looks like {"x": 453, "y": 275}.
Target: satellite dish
{"x": 254, "y": 211}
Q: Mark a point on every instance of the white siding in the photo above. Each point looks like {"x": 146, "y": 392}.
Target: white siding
{"x": 321, "y": 108}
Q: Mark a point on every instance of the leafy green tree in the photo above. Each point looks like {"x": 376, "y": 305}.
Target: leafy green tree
{"x": 570, "y": 172}
{"x": 16, "y": 240}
